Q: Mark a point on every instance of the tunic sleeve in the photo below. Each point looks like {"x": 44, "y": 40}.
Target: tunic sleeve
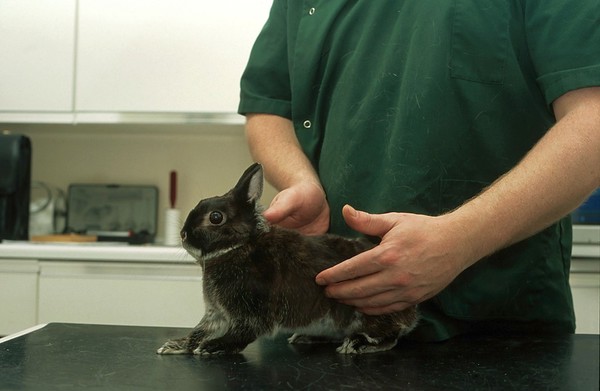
{"x": 265, "y": 83}
{"x": 564, "y": 44}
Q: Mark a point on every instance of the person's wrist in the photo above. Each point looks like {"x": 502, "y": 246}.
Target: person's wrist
{"x": 465, "y": 238}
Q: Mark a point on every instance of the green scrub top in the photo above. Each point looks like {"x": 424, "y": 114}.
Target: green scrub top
{"x": 416, "y": 106}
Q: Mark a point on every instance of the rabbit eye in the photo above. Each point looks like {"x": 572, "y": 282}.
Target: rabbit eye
{"x": 216, "y": 217}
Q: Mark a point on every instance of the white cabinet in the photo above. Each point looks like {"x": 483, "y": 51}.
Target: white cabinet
{"x": 99, "y": 60}
{"x": 164, "y": 56}
{"x": 18, "y": 295}
{"x": 157, "y": 55}
{"x": 37, "y": 49}
{"x": 102, "y": 284}
{"x": 585, "y": 286}
{"x": 120, "y": 293}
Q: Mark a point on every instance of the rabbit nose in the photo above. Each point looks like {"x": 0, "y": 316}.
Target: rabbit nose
{"x": 183, "y": 235}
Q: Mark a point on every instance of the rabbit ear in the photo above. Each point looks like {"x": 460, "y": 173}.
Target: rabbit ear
{"x": 250, "y": 186}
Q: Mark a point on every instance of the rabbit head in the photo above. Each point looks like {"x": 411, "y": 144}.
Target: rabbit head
{"x": 218, "y": 225}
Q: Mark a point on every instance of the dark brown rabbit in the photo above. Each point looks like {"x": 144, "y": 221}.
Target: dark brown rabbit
{"x": 260, "y": 279}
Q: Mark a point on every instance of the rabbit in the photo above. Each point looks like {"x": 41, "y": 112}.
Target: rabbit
{"x": 259, "y": 279}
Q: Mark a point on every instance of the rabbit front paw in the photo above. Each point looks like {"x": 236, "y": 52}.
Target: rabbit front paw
{"x": 175, "y": 346}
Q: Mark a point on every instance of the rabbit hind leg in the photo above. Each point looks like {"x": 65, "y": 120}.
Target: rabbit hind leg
{"x": 379, "y": 333}
{"x": 359, "y": 343}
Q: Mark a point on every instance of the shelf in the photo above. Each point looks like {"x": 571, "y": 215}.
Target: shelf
{"x": 83, "y": 118}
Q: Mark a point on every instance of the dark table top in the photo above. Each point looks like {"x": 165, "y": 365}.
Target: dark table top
{"x": 77, "y": 357}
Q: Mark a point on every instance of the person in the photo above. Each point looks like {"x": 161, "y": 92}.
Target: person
{"x": 459, "y": 134}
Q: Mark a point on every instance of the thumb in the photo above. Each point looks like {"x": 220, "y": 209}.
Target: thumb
{"x": 274, "y": 214}
{"x": 366, "y": 223}
{"x": 279, "y": 209}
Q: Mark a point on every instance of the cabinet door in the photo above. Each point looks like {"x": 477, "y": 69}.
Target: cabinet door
{"x": 585, "y": 286}
{"x": 164, "y": 56}
{"x": 18, "y": 295}
{"x": 120, "y": 293}
{"x": 586, "y": 297}
{"x": 37, "y": 43}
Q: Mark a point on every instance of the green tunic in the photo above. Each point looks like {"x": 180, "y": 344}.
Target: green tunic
{"x": 416, "y": 106}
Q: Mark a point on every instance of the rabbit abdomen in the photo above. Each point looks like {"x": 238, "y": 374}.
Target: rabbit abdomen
{"x": 274, "y": 276}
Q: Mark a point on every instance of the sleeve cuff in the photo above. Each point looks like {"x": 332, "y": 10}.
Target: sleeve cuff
{"x": 556, "y": 84}
{"x": 266, "y": 106}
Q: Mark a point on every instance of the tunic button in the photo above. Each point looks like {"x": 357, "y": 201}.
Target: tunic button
{"x": 311, "y": 11}
{"x": 307, "y": 124}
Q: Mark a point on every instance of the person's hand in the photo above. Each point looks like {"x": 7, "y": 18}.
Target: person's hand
{"x": 417, "y": 258}
{"x": 302, "y": 207}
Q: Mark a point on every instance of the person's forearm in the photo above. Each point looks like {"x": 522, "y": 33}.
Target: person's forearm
{"x": 553, "y": 179}
{"x": 301, "y": 202}
{"x": 272, "y": 142}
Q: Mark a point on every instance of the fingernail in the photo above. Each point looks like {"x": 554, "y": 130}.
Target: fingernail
{"x": 320, "y": 281}
{"x": 352, "y": 211}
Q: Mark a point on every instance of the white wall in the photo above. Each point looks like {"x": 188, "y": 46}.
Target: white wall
{"x": 208, "y": 158}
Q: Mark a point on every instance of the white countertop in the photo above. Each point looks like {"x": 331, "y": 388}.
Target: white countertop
{"x": 94, "y": 252}
{"x": 146, "y": 253}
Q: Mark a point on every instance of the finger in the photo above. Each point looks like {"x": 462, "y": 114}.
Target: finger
{"x": 366, "y": 223}
{"x": 357, "y": 266}
{"x": 359, "y": 292}
{"x": 383, "y": 298}
{"x": 386, "y": 302}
